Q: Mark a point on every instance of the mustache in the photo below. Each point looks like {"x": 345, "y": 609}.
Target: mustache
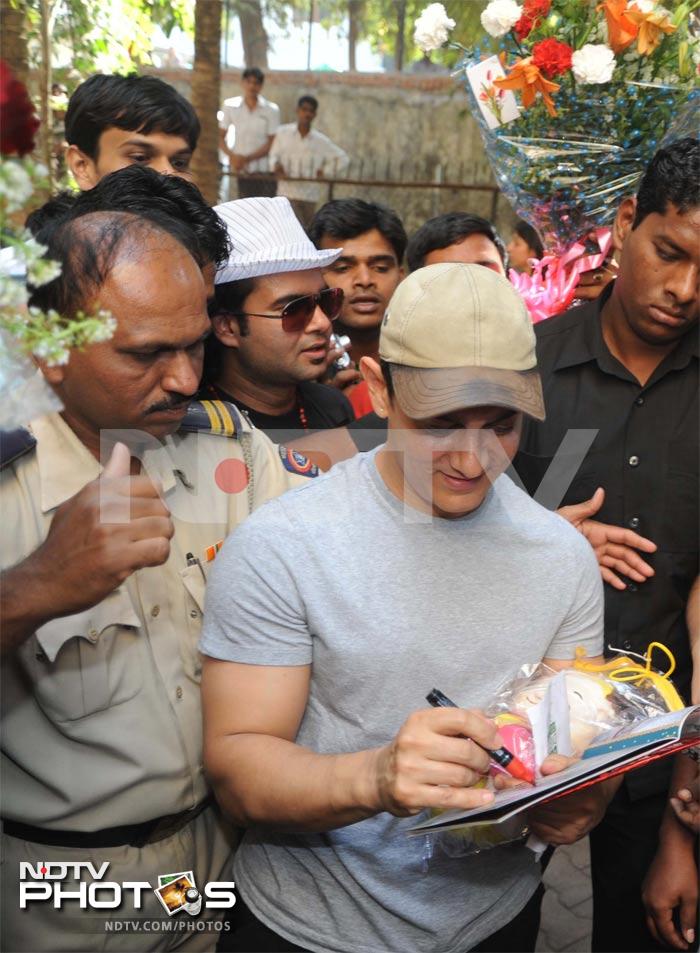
{"x": 173, "y": 404}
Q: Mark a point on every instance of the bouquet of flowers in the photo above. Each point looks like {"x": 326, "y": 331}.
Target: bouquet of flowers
{"x": 24, "y": 330}
{"x": 573, "y": 97}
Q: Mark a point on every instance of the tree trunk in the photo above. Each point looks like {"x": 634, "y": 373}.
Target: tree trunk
{"x": 355, "y": 20}
{"x": 206, "y": 89}
{"x": 46, "y": 128}
{"x": 400, "y": 35}
{"x": 13, "y": 43}
{"x": 253, "y": 33}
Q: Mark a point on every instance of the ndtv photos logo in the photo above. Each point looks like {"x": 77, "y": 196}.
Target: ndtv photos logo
{"x": 57, "y": 883}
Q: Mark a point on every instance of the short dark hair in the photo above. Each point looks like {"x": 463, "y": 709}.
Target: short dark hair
{"x": 311, "y": 100}
{"x": 386, "y": 374}
{"x": 55, "y": 208}
{"x": 530, "y": 236}
{"x": 143, "y": 104}
{"x": 229, "y": 298}
{"x": 449, "y": 229}
{"x": 673, "y": 175}
{"x": 254, "y": 72}
{"x": 149, "y": 195}
{"x": 348, "y": 218}
{"x": 86, "y": 244}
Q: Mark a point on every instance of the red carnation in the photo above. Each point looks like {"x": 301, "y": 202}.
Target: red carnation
{"x": 536, "y": 8}
{"x": 523, "y": 27}
{"x": 19, "y": 123}
{"x": 552, "y": 57}
{"x": 533, "y": 11}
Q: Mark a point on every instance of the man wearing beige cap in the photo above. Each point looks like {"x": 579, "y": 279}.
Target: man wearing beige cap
{"x": 317, "y": 736}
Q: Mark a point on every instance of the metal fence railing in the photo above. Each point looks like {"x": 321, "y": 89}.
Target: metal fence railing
{"x": 363, "y": 174}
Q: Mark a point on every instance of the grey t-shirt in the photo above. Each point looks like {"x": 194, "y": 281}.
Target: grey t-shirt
{"x": 339, "y": 574}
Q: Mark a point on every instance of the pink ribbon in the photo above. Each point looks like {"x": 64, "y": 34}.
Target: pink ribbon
{"x": 551, "y": 286}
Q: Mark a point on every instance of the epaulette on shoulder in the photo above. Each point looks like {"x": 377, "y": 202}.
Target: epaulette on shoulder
{"x": 15, "y": 444}
{"x": 219, "y": 417}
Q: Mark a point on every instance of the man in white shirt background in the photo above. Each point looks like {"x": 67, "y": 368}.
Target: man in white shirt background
{"x": 247, "y": 127}
{"x": 299, "y": 151}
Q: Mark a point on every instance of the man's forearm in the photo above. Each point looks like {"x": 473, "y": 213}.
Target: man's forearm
{"x": 222, "y": 142}
{"x": 259, "y": 153}
{"x": 263, "y": 780}
{"x": 673, "y": 835}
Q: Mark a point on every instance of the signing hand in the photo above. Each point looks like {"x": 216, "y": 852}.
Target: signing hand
{"x": 614, "y": 546}
{"x": 433, "y": 762}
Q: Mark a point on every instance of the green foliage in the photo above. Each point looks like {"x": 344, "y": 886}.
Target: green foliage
{"x": 380, "y": 24}
{"x": 379, "y": 21}
{"x": 106, "y": 35}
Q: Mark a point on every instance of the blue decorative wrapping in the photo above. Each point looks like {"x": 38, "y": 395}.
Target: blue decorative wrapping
{"x": 567, "y": 174}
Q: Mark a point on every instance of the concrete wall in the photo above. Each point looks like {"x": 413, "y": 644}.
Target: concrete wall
{"x": 399, "y": 127}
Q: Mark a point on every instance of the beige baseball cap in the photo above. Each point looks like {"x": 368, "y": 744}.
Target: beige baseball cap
{"x": 460, "y": 336}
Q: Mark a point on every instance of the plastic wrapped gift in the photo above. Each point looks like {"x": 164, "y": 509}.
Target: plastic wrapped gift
{"x": 566, "y": 173}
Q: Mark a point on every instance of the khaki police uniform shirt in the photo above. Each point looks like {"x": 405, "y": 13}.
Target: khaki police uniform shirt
{"x": 101, "y": 715}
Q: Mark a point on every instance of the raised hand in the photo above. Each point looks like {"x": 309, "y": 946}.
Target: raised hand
{"x": 615, "y": 547}
{"x": 115, "y": 525}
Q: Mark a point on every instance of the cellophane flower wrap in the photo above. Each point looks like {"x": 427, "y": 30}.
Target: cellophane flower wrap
{"x": 566, "y": 173}
{"x": 578, "y": 96}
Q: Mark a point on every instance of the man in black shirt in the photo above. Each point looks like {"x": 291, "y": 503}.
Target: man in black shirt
{"x": 626, "y": 365}
{"x": 271, "y": 318}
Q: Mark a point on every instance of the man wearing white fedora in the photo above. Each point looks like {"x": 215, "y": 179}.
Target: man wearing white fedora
{"x": 272, "y": 317}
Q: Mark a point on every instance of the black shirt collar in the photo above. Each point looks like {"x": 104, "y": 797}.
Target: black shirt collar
{"x": 585, "y": 343}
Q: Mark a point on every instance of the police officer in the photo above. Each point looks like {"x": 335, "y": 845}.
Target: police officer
{"x": 114, "y": 511}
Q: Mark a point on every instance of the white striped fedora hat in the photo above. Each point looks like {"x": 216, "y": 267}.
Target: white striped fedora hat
{"x": 267, "y": 239}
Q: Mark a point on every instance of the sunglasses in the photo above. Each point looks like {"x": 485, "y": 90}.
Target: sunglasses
{"x": 297, "y": 314}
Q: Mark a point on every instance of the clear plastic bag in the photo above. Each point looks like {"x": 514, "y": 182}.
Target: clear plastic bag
{"x": 567, "y": 174}
{"x": 542, "y": 711}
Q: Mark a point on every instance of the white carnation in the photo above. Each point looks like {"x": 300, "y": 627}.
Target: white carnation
{"x": 648, "y": 6}
{"x": 432, "y": 28}
{"x": 500, "y": 16}
{"x": 593, "y": 63}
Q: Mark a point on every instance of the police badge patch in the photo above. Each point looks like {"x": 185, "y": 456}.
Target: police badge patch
{"x": 296, "y": 462}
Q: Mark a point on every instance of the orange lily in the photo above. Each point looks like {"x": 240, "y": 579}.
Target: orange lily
{"x": 526, "y": 77}
{"x": 651, "y": 26}
{"x": 622, "y": 30}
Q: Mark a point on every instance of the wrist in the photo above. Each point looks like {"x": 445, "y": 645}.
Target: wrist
{"x": 354, "y": 783}
{"x": 673, "y": 835}
{"x": 29, "y": 600}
